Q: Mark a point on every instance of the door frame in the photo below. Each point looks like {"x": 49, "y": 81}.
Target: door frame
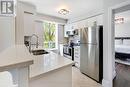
{"x": 111, "y": 26}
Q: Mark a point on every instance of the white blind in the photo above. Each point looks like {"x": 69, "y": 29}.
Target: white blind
{"x": 39, "y": 31}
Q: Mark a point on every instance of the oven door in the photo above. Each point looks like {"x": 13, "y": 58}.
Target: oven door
{"x": 67, "y": 56}
{"x": 67, "y": 51}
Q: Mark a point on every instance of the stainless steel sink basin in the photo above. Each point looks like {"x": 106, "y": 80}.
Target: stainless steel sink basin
{"x": 39, "y": 52}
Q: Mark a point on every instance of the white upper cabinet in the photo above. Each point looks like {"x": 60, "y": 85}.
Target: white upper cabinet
{"x": 68, "y": 27}
{"x": 25, "y": 16}
{"x": 28, "y": 24}
{"x": 88, "y": 22}
{"x": 65, "y": 31}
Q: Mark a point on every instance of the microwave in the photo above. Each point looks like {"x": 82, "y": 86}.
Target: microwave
{"x": 70, "y": 33}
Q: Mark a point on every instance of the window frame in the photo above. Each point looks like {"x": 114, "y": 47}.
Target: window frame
{"x": 56, "y": 35}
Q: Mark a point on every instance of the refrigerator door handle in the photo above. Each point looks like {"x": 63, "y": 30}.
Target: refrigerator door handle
{"x": 97, "y": 36}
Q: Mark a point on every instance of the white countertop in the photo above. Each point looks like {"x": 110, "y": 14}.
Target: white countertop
{"x": 15, "y": 57}
{"x": 19, "y": 56}
{"x": 48, "y": 62}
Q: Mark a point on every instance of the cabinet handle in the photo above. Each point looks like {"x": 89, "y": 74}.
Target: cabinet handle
{"x": 28, "y": 12}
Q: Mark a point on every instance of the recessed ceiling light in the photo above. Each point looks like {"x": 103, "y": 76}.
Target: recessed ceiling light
{"x": 63, "y": 11}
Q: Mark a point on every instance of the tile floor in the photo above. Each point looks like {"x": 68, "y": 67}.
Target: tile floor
{"x": 80, "y": 80}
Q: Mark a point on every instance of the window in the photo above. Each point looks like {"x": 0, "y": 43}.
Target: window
{"x": 50, "y": 35}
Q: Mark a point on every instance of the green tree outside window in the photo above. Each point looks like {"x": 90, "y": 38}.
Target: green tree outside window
{"x": 49, "y": 35}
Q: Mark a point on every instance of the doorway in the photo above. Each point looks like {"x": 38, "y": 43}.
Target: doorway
{"x": 122, "y": 49}
{"x": 113, "y": 12}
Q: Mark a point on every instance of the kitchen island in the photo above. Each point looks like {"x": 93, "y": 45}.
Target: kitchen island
{"x": 51, "y": 70}
{"x": 47, "y": 70}
{"x": 16, "y": 60}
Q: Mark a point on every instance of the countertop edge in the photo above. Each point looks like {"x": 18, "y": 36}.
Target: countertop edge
{"x": 17, "y": 65}
{"x": 51, "y": 70}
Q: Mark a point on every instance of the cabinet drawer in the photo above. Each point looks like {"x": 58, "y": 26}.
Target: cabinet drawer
{"x": 77, "y": 64}
{"x": 76, "y": 53}
{"x": 76, "y": 57}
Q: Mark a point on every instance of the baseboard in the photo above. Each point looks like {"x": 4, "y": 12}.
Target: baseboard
{"x": 106, "y": 83}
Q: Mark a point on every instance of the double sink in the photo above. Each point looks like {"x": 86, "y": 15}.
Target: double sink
{"x": 39, "y": 52}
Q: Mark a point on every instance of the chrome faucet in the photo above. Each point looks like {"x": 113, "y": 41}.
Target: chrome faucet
{"x": 30, "y": 43}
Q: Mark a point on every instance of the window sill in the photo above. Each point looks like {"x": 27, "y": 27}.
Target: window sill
{"x": 52, "y": 49}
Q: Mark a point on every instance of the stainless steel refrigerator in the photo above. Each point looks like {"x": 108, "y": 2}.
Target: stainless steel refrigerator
{"x": 91, "y": 52}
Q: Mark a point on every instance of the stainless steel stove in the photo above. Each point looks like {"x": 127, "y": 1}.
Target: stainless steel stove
{"x": 68, "y": 52}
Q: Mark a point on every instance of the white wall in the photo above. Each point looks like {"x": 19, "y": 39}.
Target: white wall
{"x": 7, "y": 32}
{"x": 108, "y": 62}
{"x": 42, "y": 17}
{"x": 61, "y": 38}
{"x": 123, "y": 30}
{"x": 87, "y": 22}
{"x": 89, "y": 15}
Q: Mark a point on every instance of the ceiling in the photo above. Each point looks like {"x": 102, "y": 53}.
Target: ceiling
{"x": 76, "y": 7}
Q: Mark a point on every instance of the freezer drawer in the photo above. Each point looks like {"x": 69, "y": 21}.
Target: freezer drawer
{"x": 89, "y": 60}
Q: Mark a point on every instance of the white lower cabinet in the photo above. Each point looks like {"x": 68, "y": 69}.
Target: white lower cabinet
{"x": 77, "y": 56}
{"x": 61, "y": 49}
{"x": 61, "y": 77}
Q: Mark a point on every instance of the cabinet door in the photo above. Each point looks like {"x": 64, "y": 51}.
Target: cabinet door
{"x": 28, "y": 24}
{"x": 68, "y": 27}
{"x": 77, "y": 56}
{"x": 65, "y": 30}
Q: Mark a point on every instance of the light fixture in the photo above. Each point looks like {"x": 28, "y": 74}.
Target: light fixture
{"x": 119, "y": 20}
{"x": 63, "y": 11}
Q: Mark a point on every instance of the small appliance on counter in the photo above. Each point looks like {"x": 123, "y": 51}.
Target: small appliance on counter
{"x": 27, "y": 40}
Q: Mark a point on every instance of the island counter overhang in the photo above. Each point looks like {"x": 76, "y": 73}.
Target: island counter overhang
{"x": 16, "y": 56}
{"x": 16, "y": 59}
